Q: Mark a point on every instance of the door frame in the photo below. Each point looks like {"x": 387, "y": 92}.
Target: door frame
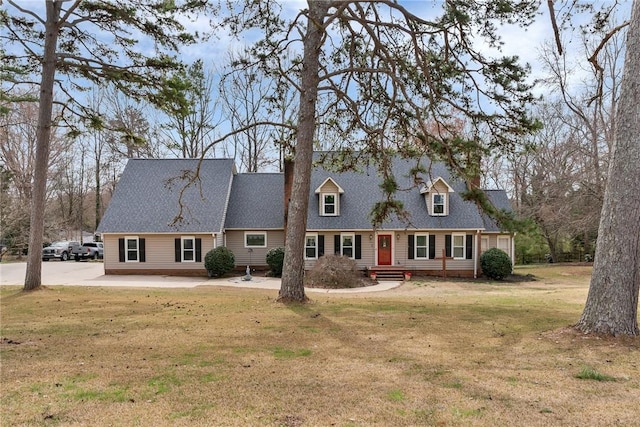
{"x": 391, "y": 249}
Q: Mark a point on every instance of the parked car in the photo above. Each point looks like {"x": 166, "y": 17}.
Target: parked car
{"x": 60, "y": 250}
{"x": 90, "y": 250}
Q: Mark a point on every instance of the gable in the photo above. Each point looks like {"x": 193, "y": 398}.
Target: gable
{"x": 329, "y": 186}
{"x": 146, "y": 199}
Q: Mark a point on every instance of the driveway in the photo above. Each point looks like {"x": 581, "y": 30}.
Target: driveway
{"x": 55, "y": 273}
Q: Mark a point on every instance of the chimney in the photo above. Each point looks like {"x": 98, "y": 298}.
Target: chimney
{"x": 288, "y": 184}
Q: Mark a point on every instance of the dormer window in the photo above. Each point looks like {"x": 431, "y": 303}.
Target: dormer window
{"x": 329, "y": 204}
{"x": 329, "y": 197}
{"x": 436, "y": 196}
{"x": 439, "y": 201}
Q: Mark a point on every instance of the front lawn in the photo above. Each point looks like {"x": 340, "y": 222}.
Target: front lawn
{"x": 427, "y": 353}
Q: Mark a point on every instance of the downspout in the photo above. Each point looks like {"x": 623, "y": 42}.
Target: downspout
{"x": 475, "y": 255}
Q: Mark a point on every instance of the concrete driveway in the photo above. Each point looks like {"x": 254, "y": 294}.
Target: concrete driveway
{"x": 55, "y": 273}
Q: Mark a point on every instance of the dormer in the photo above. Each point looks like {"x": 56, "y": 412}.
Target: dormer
{"x": 329, "y": 197}
{"x": 436, "y": 196}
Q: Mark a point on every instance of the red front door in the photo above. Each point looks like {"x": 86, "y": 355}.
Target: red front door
{"x": 384, "y": 249}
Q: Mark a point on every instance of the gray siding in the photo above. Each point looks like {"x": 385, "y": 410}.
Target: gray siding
{"x": 159, "y": 249}
{"x": 235, "y": 241}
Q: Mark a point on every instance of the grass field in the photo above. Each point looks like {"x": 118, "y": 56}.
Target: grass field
{"x": 431, "y": 352}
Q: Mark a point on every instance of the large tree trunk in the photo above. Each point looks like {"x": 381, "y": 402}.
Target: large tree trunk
{"x": 33, "y": 278}
{"x": 292, "y": 288}
{"x": 612, "y": 304}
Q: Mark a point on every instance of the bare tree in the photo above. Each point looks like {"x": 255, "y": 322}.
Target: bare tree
{"x": 17, "y": 155}
{"x": 63, "y": 38}
{"x": 250, "y": 96}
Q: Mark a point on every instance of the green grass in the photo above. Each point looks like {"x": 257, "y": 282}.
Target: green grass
{"x": 396, "y": 395}
{"x": 588, "y": 373}
{"x": 285, "y": 353}
{"x": 447, "y": 353}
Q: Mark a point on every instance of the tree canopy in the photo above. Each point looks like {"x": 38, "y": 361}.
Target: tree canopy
{"x": 65, "y": 45}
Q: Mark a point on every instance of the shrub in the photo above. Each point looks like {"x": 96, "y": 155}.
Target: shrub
{"x": 335, "y": 272}
{"x": 275, "y": 259}
{"x": 495, "y": 264}
{"x": 219, "y": 261}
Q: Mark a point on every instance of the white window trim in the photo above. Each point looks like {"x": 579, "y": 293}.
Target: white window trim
{"x": 182, "y": 248}
{"x": 247, "y": 233}
{"x": 464, "y": 245}
{"x": 335, "y": 204}
{"x": 426, "y": 246}
{"x": 433, "y": 204}
{"x": 315, "y": 236}
{"x": 353, "y": 244}
{"x": 126, "y": 248}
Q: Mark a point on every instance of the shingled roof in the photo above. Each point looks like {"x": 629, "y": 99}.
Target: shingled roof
{"x": 256, "y": 202}
{"x": 146, "y": 198}
{"x": 362, "y": 191}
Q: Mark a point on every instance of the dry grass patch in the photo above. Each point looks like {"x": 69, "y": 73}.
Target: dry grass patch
{"x": 419, "y": 355}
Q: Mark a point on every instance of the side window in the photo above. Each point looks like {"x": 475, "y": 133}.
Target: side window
{"x": 311, "y": 246}
{"x": 131, "y": 245}
{"x": 458, "y": 246}
{"x": 188, "y": 249}
{"x": 255, "y": 239}
{"x": 503, "y": 243}
{"x": 484, "y": 243}
{"x": 347, "y": 246}
{"x": 421, "y": 246}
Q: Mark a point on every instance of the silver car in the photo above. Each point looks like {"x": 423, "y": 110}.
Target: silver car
{"x": 60, "y": 250}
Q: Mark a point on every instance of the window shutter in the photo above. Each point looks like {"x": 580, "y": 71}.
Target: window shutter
{"x": 411, "y": 246}
{"x": 320, "y": 245}
{"x": 121, "y": 254}
{"x": 198, "y": 250}
{"x": 358, "y": 246}
{"x": 177, "y": 245}
{"x": 141, "y": 249}
{"x": 447, "y": 245}
{"x": 432, "y": 246}
{"x": 469, "y": 246}
{"x": 336, "y": 244}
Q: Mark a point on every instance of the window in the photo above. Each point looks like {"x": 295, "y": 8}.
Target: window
{"x": 438, "y": 204}
{"x": 311, "y": 246}
{"x": 330, "y": 204}
{"x": 188, "y": 249}
{"x": 131, "y": 245}
{"x": 347, "y": 245}
{"x": 422, "y": 246}
{"x": 484, "y": 243}
{"x": 458, "y": 246}
{"x": 503, "y": 243}
{"x": 255, "y": 240}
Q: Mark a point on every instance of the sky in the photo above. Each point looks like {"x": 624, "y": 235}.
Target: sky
{"x": 525, "y": 43}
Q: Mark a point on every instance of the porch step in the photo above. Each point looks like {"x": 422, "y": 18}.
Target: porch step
{"x": 388, "y": 273}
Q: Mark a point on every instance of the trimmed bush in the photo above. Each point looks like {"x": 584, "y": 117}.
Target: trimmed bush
{"x": 275, "y": 260}
{"x": 219, "y": 261}
{"x": 335, "y": 272}
{"x": 495, "y": 264}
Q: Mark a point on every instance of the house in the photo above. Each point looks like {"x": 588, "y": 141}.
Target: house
{"x": 246, "y": 213}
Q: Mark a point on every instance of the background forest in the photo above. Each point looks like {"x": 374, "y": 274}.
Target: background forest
{"x": 555, "y": 178}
